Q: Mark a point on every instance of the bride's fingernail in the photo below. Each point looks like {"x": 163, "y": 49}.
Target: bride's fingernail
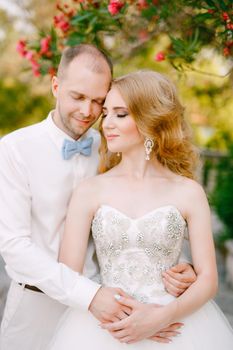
{"x": 117, "y": 296}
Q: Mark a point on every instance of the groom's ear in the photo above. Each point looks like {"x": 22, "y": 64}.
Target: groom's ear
{"x": 55, "y": 84}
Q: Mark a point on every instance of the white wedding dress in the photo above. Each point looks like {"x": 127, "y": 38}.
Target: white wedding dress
{"x": 132, "y": 253}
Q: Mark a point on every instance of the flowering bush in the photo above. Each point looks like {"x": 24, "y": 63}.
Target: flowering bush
{"x": 121, "y": 26}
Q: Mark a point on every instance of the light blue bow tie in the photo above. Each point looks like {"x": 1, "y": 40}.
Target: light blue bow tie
{"x": 70, "y": 148}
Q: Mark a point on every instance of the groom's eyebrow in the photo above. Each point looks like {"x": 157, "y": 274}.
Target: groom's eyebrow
{"x": 99, "y": 99}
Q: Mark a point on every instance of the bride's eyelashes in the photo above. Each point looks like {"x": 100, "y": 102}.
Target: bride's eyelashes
{"x": 122, "y": 115}
{"x": 117, "y": 115}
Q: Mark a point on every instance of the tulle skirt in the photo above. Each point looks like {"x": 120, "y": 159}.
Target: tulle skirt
{"x": 206, "y": 329}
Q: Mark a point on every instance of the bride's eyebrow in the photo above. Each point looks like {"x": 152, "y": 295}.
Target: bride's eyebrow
{"x": 117, "y": 109}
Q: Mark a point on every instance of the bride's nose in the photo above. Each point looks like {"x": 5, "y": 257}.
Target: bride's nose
{"x": 108, "y": 122}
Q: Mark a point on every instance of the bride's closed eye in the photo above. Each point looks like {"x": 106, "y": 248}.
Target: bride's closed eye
{"x": 122, "y": 115}
{"x": 119, "y": 115}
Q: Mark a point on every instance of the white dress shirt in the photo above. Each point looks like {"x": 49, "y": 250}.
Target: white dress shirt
{"x": 35, "y": 189}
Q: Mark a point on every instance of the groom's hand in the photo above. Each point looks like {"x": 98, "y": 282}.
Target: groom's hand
{"x": 145, "y": 321}
{"x": 179, "y": 278}
{"x": 105, "y": 307}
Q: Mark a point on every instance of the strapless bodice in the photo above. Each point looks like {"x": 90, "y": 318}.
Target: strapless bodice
{"x": 132, "y": 253}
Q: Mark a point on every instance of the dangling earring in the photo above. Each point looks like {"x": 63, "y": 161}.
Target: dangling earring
{"x": 118, "y": 154}
{"x": 148, "y": 144}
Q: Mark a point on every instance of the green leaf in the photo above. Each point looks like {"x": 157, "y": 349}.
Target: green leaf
{"x": 202, "y": 17}
{"x": 80, "y": 18}
{"x": 149, "y": 12}
{"x": 223, "y": 6}
{"x": 75, "y": 39}
{"x": 211, "y": 3}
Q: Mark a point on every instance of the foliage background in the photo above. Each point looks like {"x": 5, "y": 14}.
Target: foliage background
{"x": 194, "y": 38}
{"x": 207, "y": 97}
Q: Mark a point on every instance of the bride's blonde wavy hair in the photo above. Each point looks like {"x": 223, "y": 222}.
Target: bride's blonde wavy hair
{"x": 152, "y": 101}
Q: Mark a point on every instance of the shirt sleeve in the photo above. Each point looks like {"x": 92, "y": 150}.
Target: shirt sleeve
{"x": 26, "y": 262}
{"x": 185, "y": 256}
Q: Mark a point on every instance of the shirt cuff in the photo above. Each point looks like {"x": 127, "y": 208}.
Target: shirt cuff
{"x": 84, "y": 292}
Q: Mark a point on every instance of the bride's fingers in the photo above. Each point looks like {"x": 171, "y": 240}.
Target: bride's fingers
{"x": 160, "y": 340}
{"x": 168, "y": 334}
{"x": 119, "y": 335}
{"x": 127, "y": 339}
{"x": 121, "y": 315}
{"x": 173, "y": 327}
{"x": 127, "y": 310}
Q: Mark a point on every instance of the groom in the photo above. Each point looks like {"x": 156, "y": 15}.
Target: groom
{"x": 40, "y": 165}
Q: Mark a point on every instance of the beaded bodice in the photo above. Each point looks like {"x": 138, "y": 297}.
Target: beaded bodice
{"x": 132, "y": 253}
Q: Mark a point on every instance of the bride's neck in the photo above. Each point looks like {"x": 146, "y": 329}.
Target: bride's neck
{"x": 140, "y": 168}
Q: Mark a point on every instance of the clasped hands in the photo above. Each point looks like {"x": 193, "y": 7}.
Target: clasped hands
{"x": 130, "y": 321}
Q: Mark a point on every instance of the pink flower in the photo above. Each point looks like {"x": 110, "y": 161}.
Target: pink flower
{"x": 142, "y": 4}
{"x": 225, "y": 16}
{"x": 160, "y": 56}
{"x": 226, "y": 51}
{"x": 21, "y": 47}
{"x": 64, "y": 26}
{"x": 60, "y": 22}
{"x": 115, "y": 6}
{"x": 229, "y": 26}
{"x": 229, "y": 43}
{"x": 45, "y": 45}
{"x": 35, "y": 68}
{"x": 36, "y": 72}
{"x": 70, "y": 13}
{"x": 29, "y": 55}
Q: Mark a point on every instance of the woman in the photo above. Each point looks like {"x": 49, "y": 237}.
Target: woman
{"x": 139, "y": 209}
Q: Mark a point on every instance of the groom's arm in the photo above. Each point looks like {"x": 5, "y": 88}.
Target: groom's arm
{"x": 26, "y": 262}
{"x": 180, "y": 277}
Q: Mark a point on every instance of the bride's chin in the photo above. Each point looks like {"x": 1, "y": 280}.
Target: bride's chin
{"x": 110, "y": 149}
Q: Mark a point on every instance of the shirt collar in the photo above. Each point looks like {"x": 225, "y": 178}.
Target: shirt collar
{"x": 57, "y": 135}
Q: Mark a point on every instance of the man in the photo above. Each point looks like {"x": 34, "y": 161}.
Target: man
{"x": 39, "y": 167}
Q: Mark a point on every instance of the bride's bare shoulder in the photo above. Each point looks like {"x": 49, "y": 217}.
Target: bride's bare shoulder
{"x": 92, "y": 185}
{"x": 192, "y": 189}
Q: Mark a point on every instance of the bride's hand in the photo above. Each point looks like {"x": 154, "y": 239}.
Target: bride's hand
{"x": 145, "y": 321}
{"x": 105, "y": 307}
{"x": 165, "y": 334}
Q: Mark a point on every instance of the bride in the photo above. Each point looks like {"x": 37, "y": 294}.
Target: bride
{"x": 139, "y": 209}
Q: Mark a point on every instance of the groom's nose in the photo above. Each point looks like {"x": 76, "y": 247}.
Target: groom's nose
{"x": 86, "y": 108}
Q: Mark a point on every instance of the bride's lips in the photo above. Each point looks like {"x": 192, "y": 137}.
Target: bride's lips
{"x": 111, "y": 137}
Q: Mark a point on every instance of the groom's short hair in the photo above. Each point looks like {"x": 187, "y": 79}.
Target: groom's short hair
{"x": 97, "y": 57}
